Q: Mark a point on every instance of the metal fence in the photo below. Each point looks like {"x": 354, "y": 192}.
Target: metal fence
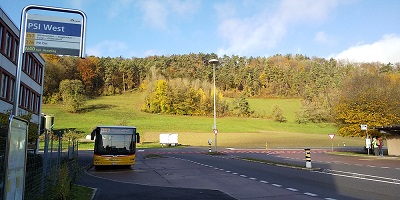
{"x": 43, "y": 169}
{"x": 3, "y": 142}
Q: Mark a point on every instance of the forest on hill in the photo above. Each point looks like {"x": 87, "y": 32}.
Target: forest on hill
{"x": 338, "y": 91}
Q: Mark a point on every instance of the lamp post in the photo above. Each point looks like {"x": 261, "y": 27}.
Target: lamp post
{"x": 214, "y": 62}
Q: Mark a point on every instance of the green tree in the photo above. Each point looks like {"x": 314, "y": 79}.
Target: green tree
{"x": 277, "y": 114}
{"x": 242, "y": 106}
{"x": 73, "y": 94}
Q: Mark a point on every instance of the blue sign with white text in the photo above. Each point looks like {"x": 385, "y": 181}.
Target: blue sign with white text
{"x": 53, "y": 28}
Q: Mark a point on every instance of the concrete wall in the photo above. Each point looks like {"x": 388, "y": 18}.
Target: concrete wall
{"x": 393, "y": 144}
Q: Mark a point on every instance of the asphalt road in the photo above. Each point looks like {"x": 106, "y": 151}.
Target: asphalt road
{"x": 181, "y": 171}
{"x": 106, "y": 188}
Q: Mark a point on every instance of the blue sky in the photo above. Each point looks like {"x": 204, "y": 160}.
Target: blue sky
{"x": 355, "y": 30}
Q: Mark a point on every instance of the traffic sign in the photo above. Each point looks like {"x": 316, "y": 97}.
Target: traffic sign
{"x": 53, "y": 35}
{"x": 364, "y": 127}
{"x": 215, "y": 131}
{"x": 331, "y": 136}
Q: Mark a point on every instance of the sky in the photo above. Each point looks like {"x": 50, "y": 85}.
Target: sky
{"x": 353, "y": 30}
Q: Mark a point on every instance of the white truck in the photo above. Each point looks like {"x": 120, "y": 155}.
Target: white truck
{"x": 169, "y": 139}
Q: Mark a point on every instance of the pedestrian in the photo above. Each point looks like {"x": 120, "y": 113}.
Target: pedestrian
{"x": 375, "y": 146}
{"x": 380, "y": 146}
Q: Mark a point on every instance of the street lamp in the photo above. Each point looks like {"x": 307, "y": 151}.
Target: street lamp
{"x": 214, "y": 62}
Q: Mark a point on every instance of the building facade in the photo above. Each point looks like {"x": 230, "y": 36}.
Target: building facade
{"x": 31, "y": 87}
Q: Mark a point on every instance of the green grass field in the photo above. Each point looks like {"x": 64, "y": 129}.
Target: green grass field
{"x": 195, "y": 131}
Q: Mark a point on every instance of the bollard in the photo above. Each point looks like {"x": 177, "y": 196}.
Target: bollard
{"x": 209, "y": 148}
{"x": 308, "y": 158}
{"x": 266, "y": 146}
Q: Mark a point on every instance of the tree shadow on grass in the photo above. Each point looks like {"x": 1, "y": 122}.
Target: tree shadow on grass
{"x": 91, "y": 108}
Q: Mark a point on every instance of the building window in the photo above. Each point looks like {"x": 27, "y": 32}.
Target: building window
{"x": 12, "y": 90}
{"x": 40, "y": 71}
{"x": 24, "y": 62}
{"x": 4, "y": 85}
{"x": 29, "y": 67}
{"x": 32, "y": 101}
{"x": 27, "y": 96}
{"x": 38, "y": 103}
{"x": 35, "y": 66}
{"x": 7, "y": 47}
{"x": 21, "y": 94}
{"x": 16, "y": 49}
{"x": 1, "y": 36}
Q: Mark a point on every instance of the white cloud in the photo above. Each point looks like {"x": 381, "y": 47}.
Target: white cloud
{"x": 264, "y": 30}
{"x": 117, "y": 7}
{"x": 385, "y": 50}
{"x": 156, "y": 12}
{"x": 184, "y": 8}
{"x": 324, "y": 39}
{"x": 111, "y": 49}
{"x": 76, "y": 4}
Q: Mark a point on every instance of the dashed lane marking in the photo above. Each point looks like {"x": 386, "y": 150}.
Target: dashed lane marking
{"x": 276, "y": 185}
{"x": 310, "y": 194}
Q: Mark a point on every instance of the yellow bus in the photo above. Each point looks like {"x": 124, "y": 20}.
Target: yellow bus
{"x": 114, "y": 145}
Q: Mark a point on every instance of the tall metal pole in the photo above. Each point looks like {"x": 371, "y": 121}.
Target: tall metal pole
{"x": 215, "y": 110}
{"x": 366, "y": 131}
{"x": 214, "y": 61}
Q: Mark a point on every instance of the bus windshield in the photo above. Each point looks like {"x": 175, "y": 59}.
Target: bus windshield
{"x": 116, "y": 143}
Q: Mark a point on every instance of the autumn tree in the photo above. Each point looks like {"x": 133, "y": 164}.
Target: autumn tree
{"x": 73, "y": 94}
{"x": 182, "y": 97}
{"x": 367, "y": 98}
{"x": 87, "y": 69}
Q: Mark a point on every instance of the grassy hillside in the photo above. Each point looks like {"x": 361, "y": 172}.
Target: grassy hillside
{"x": 193, "y": 130}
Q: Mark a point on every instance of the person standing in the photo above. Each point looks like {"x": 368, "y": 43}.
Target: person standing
{"x": 380, "y": 146}
{"x": 375, "y": 146}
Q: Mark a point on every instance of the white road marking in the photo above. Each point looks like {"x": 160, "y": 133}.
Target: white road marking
{"x": 276, "y": 185}
{"x": 310, "y": 194}
{"x": 292, "y": 189}
{"x": 264, "y": 182}
{"x": 360, "y": 176}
